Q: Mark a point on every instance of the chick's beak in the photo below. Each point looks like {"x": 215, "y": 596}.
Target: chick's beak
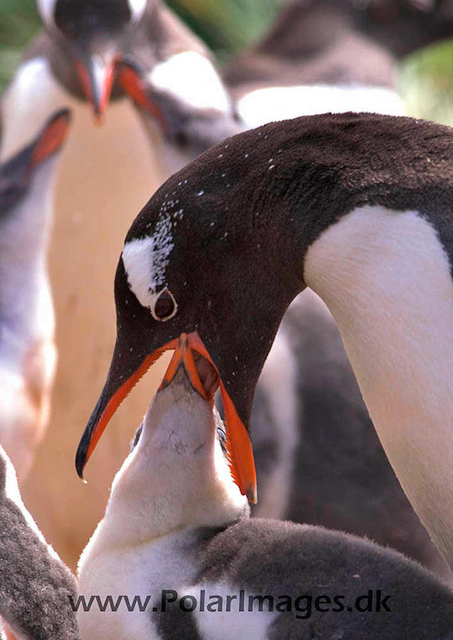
{"x": 238, "y": 441}
{"x": 183, "y": 357}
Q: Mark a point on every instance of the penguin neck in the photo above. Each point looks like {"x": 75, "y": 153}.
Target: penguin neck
{"x": 177, "y": 476}
{"x": 24, "y": 239}
{"x": 26, "y": 227}
{"x": 386, "y": 279}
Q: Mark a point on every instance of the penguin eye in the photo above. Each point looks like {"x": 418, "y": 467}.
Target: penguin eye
{"x": 165, "y": 306}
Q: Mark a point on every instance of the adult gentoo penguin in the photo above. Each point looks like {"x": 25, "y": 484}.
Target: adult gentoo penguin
{"x": 117, "y": 167}
{"x": 355, "y": 206}
{"x": 317, "y": 455}
{"x": 27, "y": 349}
{"x": 35, "y": 585}
{"x": 70, "y": 62}
{"x": 177, "y": 539}
{"x": 336, "y": 55}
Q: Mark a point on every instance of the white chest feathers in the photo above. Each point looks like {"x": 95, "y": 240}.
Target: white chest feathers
{"x": 386, "y": 278}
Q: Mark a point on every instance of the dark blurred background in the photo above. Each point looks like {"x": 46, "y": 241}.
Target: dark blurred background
{"x": 426, "y": 79}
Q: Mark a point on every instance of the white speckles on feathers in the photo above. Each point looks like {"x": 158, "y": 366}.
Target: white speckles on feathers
{"x": 145, "y": 261}
{"x": 162, "y": 246}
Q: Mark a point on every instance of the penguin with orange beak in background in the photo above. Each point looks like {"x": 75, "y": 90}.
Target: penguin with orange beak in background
{"x": 74, "y": 60}
{"x": 186, "y": 122}
{"x": 70, "y": 63}
{"x": 83, "y": 41}
{"x": 27, "y": 347}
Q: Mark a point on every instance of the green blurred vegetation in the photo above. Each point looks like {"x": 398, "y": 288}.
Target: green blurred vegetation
{"x": 18, "y": 24}
{"x": 426, "y": 81}
{"x": 227, "y": 26}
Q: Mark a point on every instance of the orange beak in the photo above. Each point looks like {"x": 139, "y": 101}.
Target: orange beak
{"x": 96, "y": 77}
{"x": 52, "y": 137}
{"x": 238, "y": 442}
{"x": 183, "y": 357}
{"x": 134, "y": 84}
{"x": 100, "y": 419}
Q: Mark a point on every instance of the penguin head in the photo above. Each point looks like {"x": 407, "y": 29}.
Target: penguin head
{"x": 93, "y": 33}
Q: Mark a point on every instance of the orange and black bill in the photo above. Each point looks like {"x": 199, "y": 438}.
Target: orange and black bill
{"x": 122, "y": 379}
{"x": 183, "y": 357}
{"x": 51, "y": 138}
{"x": 134, "y": 83}
{"x": 17, "y": 173}
{"x": 96, "y": 76}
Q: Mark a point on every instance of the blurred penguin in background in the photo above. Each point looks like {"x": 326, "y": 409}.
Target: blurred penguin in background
{"x": 27, "y": 340}
{"x": 334, "y": 55}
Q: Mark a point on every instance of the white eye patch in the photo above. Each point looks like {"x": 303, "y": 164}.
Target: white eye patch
{"x": 145, "y": 261}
